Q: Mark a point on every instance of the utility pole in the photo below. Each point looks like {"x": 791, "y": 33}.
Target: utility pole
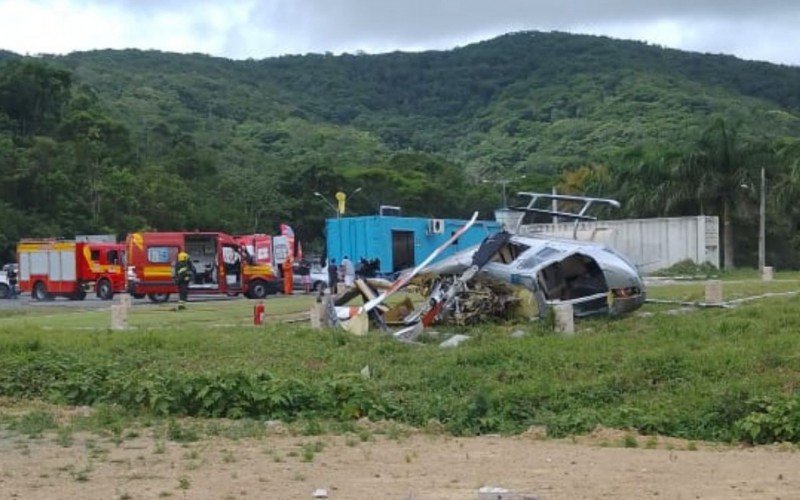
{"x": 504, "y": 183}
{"x": 555, "y": 208}
{"x": 762, "y": 225}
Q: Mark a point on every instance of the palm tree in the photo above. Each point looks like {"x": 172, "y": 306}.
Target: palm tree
{"x": 646, "y": 183}
{"x": 713, "y": 175}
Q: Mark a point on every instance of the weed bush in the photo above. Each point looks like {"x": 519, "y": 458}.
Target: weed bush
{"x": 231, "y": 394}
{"x": 773, "y": 420}
{"x": 714, "y": 375}
{"x": 689, "y": 268}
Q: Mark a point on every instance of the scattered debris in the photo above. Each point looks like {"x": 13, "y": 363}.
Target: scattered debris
{"x": 366, "y": 372}
{"x": 518, "y": 334}
{"x": 493, "y": 493}
{"x": 507, "y": 276}
{"x": 320, "y": 493}
{"x": 455, "y": 340}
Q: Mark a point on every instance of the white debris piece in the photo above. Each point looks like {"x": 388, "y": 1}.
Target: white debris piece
{"x": 454, "y": 340}
{"x": 320, "y": 493}
{"x": 495, "y": 493}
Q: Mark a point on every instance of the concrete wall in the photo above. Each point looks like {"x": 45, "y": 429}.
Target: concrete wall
{"x": 652, "y": 244}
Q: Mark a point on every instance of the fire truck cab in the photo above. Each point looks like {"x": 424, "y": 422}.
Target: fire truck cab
{"x": 222, "y": 264}
{"x": 49, "y": 268}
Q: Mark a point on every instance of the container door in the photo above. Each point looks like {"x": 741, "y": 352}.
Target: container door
{"x": 402, "y": 250}
{"x": 54, "y": 266}
{"x": 24, "y": 266}
{"x": 68, "y": 272}
{"x": 38, "y": 263}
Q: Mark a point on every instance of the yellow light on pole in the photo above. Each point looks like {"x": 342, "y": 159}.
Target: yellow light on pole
{"x": 341, "y": 198}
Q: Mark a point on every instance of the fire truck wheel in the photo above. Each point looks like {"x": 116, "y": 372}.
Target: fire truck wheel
{"x": 258, "y": 289}
{"x": 40, "y": 292}
{"x": 104, "y": 290}
{"x": 158, "y": 297}
{"x": 5, "y": 291}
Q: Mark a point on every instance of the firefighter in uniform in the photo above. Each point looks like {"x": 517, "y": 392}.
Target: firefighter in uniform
{"x": 288, "y": 276}
{"x": 183, "y": 276}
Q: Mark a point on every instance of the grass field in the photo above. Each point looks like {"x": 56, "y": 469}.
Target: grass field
{"x": 709, "y": 374}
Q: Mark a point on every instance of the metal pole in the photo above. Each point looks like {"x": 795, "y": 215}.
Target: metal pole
{"x": 555, "y": 208}
{"x": 505, "y": 199}
{"x": 762, "y": 225}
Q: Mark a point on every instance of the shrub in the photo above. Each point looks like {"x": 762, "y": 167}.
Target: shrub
{"x": 773, "y": 421}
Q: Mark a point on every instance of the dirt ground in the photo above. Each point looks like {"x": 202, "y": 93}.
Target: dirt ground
{"x": 417, "y": 466}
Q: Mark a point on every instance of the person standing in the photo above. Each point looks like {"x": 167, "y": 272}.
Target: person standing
{"x": 183, "y": 276}
{"x": 305, "y": 276}
{"x": 12, "y": 280}
{"x": 333, "y": 276}
{"x": 288, "y": 277}
{"x": 349, "y": 272}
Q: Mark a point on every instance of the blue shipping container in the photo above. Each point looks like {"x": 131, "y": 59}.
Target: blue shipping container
{"x": 399, "y": 242}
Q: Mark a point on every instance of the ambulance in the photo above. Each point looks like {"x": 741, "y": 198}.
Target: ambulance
{"x": 223, "y": 264}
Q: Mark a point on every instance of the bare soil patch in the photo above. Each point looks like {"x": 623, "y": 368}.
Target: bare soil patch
{"x": 419, "y": 466}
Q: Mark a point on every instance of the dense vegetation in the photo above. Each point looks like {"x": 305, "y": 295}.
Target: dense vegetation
{"x": 111, "y": 141}
{"x": 714, "y": 374}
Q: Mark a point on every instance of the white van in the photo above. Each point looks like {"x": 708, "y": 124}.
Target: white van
{"x": 5, "y": 286}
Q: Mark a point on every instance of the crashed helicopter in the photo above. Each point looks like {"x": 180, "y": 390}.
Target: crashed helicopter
{"x": 512, "y": 275}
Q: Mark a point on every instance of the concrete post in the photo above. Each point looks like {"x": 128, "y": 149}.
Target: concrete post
{"x": 767, "y": 274}
{"x": 565, "y": 319}
{"x": 326, "y": 306}
{"x": 714, "y": 292}
{"x": 317, "y": 313}
{"x": 125, "y": 300}
{"x": 119, "y": 317}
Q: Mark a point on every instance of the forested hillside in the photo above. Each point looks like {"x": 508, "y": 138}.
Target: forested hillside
{"x": 112, "y": 141}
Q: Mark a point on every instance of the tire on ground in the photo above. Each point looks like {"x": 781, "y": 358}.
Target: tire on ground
{"x": 40, "y": 291}
{"x": 158, "y": 298}
{"x": 258, "y": 289}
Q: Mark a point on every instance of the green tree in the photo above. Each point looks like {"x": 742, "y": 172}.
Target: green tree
{"x": 33, "y": 94}
{"x": 714, "y": 173}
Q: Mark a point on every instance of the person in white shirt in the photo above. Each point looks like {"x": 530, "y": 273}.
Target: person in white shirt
{"x": 349, "y": 272}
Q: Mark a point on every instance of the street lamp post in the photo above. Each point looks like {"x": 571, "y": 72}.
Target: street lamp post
{"x": 338, "y": 214}
{"x": 319, "y": 195}
{"x": 762, "y": 221}
{"x": 762, "y": 225}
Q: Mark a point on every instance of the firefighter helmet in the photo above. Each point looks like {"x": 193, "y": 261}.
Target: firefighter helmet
{"x": 182, "y": 256}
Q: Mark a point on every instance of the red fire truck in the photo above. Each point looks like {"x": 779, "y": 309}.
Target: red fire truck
{"x": 66, "y": 268}
{"x": 222, "y": 264}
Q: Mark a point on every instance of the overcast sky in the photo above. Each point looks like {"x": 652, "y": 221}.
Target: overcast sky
{"x": 753, "y": 29}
